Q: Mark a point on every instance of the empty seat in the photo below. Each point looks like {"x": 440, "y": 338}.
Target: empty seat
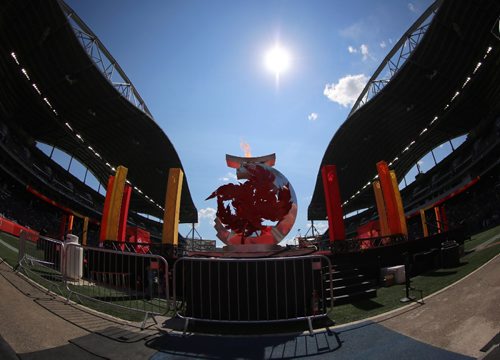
{"x": 69, "y": 185}
{"x": 4, "y": 132}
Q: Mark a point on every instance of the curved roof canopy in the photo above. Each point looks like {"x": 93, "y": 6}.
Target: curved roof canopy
{"x": 449, "y": 83}
{"x": 58, "y": 84}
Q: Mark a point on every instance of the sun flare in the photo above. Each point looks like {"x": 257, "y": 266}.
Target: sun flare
{"x": 277, "y": 60}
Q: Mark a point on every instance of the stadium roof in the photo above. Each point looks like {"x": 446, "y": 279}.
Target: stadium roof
{"x": 63, "y": 88}
{"x": 447, "y": 85}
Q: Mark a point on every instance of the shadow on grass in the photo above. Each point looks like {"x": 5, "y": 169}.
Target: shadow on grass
{"x": 367, "y": 304}
{"x": 443, "y": 272}
{"x": 113, "y": 298}
{"x": 111, "y": 309}
{"x": 439, "y": 273}
{"x": 52, "y": 278}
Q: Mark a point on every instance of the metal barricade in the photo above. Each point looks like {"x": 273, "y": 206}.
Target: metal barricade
{"x": 252, "y": 289}
{"x": 42, "y": 260}
{"x": 355, "y": 245}
{"x": 126, "y": 280}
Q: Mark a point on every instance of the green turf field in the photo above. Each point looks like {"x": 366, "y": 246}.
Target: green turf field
{"x": 478, "y": 250}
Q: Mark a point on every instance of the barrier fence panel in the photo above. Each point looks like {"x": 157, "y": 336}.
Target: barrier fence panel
{"x": 131, "y": 281}
{"x": 42, "y": 260}
{"x": 124, "y": 280}
{"x": 355, "y": 245}
{"x": 252, "y": 289}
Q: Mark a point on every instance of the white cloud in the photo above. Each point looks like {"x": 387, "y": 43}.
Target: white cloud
{"x": 312, "y": 116}
{"x": 364, "y": 51}
{"x": 207, "y": 213}
{"x": 228, "y": 177}
{"x": 412, "y": 7}
{"x": 383, "y": 45}
{"x": 347, "y": 90}
{"x": 354, "y": 31}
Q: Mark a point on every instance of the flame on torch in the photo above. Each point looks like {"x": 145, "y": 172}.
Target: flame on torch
{"x": 246, "y": 148}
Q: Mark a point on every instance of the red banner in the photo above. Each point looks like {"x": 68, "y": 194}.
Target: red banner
{"x": 13, "y": 228}
{"x": 57, "y": 205}
{"x": 122, "y": 224}
{"x": 336, "y": 229}
{"x": 448, "y": 197}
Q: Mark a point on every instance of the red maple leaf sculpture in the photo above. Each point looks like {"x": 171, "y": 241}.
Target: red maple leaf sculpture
{"x": 244, "y": 206}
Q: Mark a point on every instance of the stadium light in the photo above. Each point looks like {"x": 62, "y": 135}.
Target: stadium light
{"x": 477, "y": 67}
{"x": 13, "y": 54}
{"x": 47, "y": 102}
{"x": 37, "y": 90}
{"x": 23, "y": 70}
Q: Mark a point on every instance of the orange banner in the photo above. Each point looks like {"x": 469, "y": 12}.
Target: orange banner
{"x": 391, "y": 206}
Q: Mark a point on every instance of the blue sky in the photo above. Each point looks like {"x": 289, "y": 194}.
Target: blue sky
{"x": 199, "y": 66}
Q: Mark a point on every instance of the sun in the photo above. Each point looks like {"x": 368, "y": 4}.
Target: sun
{"x": 277, "y": 60}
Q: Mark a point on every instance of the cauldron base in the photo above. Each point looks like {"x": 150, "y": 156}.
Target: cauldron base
{"x": 245, "y": 248}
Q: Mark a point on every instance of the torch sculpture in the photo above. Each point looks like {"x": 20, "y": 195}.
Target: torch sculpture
{"x": 259, "y": 211}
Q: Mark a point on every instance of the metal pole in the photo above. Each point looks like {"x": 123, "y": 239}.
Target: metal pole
{"x": 192, "y": 237}
{"x": 435, "y": 162}
{"x": 408, "y": 297}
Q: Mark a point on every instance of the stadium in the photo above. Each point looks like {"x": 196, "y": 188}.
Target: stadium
{"x": 93, "y": 191}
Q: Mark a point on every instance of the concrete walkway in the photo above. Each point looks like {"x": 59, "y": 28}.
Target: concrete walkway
{"x": 25, "y": 325}
{"x": 38, "y": 325}
{"x": 453, "y": 324}
{"x": 462, "y": 318}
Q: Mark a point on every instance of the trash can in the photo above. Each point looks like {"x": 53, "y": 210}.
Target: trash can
{"x": 450, "y": 254}
{"x": 397, "y": 272}
{"x": 73, "y": 266}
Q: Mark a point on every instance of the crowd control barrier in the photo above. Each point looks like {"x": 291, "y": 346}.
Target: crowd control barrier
{"x": 252, "y": 289}
{"x": 127, "y": 280}
{"x": 42, "y": 260}
{"x": 124, "y": 280}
